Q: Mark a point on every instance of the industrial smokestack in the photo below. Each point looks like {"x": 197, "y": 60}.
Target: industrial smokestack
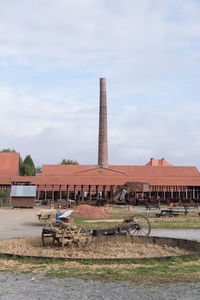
{"x": 103, "y": 138}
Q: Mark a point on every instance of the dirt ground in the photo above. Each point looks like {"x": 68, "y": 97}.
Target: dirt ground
{"x": 19, "y": 223}
{"x": 33, "y": 247}
{"x": 24, "y": 223}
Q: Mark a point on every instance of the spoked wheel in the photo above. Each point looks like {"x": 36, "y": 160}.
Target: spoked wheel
{"x": 49, "y": 236}
{"x": 138, "y": 225}
{"x": 75, "y": 235}
{"x": 47, "y": 240}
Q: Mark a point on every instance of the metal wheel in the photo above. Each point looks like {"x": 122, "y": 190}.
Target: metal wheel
{"x": 75, "y": 235}
{"x": 138, "y": 225}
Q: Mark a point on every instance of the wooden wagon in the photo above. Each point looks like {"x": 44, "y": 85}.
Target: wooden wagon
{"x": 66, "y": 234}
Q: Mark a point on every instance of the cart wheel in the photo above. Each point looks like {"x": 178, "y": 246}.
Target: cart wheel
{"x": 84, "y": 238}
{"x": 66, "y": 238}
{"x": 47, "y": 240}
{"x": 75, "y": 235}
{"x": 138, "y": 225}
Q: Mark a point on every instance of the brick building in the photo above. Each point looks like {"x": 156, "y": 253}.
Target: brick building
{"x": 69, "y": 181}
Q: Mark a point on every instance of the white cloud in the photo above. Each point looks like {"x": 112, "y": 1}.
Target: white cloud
{"x": 32, "y": 115}
{"x": 28, "y": 122}
{"x": 52, "y": 53}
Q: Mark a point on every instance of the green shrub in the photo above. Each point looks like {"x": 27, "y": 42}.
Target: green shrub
{"x": 5, "y": 197}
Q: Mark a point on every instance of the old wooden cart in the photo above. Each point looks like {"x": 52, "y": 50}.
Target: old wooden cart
{"x": 66, "y": 234}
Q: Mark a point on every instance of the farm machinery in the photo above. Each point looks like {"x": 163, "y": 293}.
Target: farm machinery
{"x": 67, "y": 235}
{"x": 123, "y": 194}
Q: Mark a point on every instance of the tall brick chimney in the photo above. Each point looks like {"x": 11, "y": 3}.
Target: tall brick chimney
{"x": 103, "y": 138}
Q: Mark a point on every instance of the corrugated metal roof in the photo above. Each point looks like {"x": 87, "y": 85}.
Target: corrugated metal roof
{"x": 23, "y": 191}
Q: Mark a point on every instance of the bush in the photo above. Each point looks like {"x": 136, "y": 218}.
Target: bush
{"x": 5, "y": 197}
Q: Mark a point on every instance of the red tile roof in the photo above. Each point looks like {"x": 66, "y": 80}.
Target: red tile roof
{"x": 118, "y": 170}
{"x": 102, "y": 180}
{"x": 65, "y": 169}
{"x": 159, "y": 171}
{"x": 9, "y": 163}
{"x": 114, "y": 175}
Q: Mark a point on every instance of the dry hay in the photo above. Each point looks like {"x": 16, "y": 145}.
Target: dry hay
{"x": 171, "y": 219}
{"x": 33, "y": 247}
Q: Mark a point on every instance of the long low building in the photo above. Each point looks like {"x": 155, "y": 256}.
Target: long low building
{"x": 67, "y": 181}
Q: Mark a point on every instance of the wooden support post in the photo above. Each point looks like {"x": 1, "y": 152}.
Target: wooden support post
{"x": 82, "y": 193}
{"x": 60, "y": 192}
{"x": 89, "y": 193}
{"x": 104, "y": 192}
{"x": 111, "y": 191}
{"x": 75, "y": 192}
{"x": 68, "y": 192}
{"x": 186, "y": 193}
{"x": 38, "y": 192}
{"x": 52, "y": 193}
{"x": 97, "y": 192}
{"x": 45, "y": 193}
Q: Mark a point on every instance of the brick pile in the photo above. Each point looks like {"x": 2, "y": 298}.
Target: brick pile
{"x": 89, "y": 211}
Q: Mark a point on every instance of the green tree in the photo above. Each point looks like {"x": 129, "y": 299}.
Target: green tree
{"x": 38, "y": 169}
{"x": 20, "y": 166}
{"x": 28, "y": 167}
{"x": 5, "y": 196}
{"x": 8, "y": 150}
{"x": 69, "y": 162}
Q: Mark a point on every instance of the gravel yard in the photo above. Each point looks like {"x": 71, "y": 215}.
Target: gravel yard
{"x": 27, "y": 286}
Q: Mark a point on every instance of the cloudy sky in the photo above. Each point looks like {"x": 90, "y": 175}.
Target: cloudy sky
{"x": 52, "y": 54}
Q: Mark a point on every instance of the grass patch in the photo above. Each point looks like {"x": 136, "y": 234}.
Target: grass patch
{"x": 189, "y": 221}
{"x": 178, "y": 224}
{"x": 173, "y": 270}
{"x": 100, "y": 225}
{"x": 79, "y": 219}
{"x": 162, "y": 224}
